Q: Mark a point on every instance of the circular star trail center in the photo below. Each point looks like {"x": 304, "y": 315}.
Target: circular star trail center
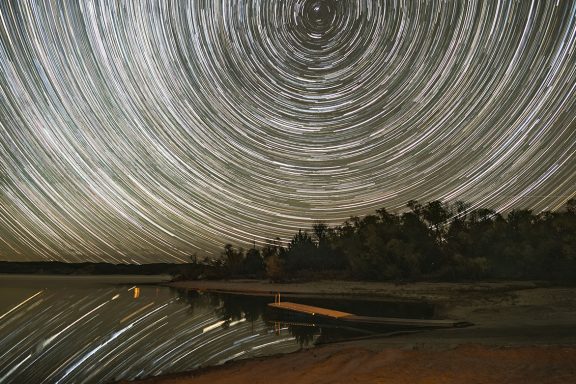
{"x": 139, "y": 131}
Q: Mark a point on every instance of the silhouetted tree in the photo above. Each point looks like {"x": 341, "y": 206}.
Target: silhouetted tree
{"x": 233, "y": 259}
{"x": 320, "y": 230}
{"x": 301, "y": 253}
{"x": 434, "y": 240}
{"x": 436, "y": 213}
{"x": 254, "y": 263}
{"x": 275, "y": 269}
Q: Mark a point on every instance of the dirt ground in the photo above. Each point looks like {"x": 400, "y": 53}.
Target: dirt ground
{"x": 350, "y": 364}
{"x": 524, "y": 332}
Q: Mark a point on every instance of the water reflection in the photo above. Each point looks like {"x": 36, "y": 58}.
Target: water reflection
{"x": 306, "y": 330}
{"x": 82, "y": 330}
{"x": 251, "y": 309}
{"x": 63, "y": 333}
{"x": 136, "y": 292}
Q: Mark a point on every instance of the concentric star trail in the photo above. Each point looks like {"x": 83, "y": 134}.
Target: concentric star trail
{"x": 70, "y": 334}
{"x": 138, "y": 131}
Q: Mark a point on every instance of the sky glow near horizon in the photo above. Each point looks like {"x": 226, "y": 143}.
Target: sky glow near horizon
{"x": 144, "y": 131}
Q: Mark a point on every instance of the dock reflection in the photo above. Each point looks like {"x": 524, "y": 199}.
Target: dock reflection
{"x": 306, "y": 330}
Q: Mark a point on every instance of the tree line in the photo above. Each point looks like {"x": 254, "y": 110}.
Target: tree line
{"x": 431, "y": 241}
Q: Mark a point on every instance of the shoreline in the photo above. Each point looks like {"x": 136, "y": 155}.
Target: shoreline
{"x": 353, "y": 288}
{"x": 517, "y": 325}
{"x": 517, "y": 313}
{"x": 353, "y": 363}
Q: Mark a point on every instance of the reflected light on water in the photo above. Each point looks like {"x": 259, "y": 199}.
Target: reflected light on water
{"x": 68, "y": 333}
{"x": 137, "y": 312}
{"x": 214, "y": 326}
{"x": 21, "y": 304}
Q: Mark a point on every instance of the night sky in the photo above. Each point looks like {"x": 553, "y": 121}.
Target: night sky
{"x": 139, "y": 131}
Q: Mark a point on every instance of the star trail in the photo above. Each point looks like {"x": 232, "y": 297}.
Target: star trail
{"x": 82, "y": 330}
{"x": 139, "y": 131}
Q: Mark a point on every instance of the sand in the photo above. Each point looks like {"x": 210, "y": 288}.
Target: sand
{"x": 348, "y": 364}
{"x": 524, "y": 332}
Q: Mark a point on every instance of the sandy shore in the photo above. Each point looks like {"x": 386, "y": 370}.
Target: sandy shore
{"x": 524, "y": 332}
{"x": 351, "y": 364}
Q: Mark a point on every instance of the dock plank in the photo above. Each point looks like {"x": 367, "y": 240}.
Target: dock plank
{"x": 310, "y": 310}
{"x": 352, "y": 318}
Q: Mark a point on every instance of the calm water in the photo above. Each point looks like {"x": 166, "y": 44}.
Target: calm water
{"x": 103, "y": 329}
{"x": 86, "y": 329}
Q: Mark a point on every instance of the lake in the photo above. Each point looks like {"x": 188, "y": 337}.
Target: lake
{"x": 76, "y": 329}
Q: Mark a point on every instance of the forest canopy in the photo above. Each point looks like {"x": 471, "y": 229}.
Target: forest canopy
{"x": 431, "y": 241}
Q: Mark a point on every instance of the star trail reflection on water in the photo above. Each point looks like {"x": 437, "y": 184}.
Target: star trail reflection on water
{"x": 64, "y": 330}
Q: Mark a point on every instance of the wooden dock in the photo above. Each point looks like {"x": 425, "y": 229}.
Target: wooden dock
{"x": 310, "y": 310}
{"x": 368, "y": 320}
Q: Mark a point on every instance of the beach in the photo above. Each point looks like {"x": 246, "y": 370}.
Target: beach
{"x": 523, "y": 332}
